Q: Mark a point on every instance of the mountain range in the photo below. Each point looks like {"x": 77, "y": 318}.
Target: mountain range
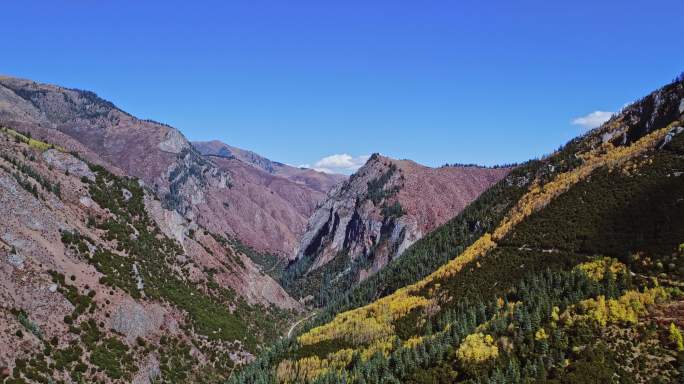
{"x": 130, "y": 254}
{"x": 101, "y": 203}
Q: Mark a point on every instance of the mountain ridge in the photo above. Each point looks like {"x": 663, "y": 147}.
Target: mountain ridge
{"x": 562, "y": 269}
{"x": 159, "y": 154}
{"x": 319, "y": 181}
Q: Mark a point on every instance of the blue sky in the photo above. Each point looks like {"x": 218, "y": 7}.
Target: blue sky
{"x": 434, "y": 81}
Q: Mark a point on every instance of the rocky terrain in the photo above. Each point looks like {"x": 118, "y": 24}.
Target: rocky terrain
{"x": 378, "y": 213}
{"x": 130, "y": 255}
{"x": 108, "y": 274}
{"x": 186, "y": 181}
{"x": 86, "y": 251}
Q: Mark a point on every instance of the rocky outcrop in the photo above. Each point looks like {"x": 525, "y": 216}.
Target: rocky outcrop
{"x": 385, "y": 207}
{"x": 149, "y": 372}
{"x": 68, "y": 163}
{"x": 173, "y": 142}
{"x": 135, "y": 320}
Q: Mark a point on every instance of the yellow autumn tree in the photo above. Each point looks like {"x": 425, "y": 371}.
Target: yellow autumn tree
{"x": 477, "y": 348}
{"x": 676, "y": 337}
{"x": 625, "y": 309}
{"x": 414, "y": 341}
{"x": 596, "y": 268}
{"x": 541, "y": 334}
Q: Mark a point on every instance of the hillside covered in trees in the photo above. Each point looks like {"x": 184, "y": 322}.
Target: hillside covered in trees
{"x": 569, "y": 270}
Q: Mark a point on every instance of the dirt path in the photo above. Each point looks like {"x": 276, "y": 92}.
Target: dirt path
{"x": 292, "y": 328}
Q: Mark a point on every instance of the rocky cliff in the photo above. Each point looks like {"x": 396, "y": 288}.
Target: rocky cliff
{"x": 379, "y": 212}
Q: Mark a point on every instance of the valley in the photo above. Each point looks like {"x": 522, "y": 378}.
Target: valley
{"x": 130, "y": 254}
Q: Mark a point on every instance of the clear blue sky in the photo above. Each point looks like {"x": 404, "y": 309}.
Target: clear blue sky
{"x": 434, "y": 81}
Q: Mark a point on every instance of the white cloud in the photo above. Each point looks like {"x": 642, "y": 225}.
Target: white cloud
{"x": 592, "y": 120}
{"x": 338, "y": 163}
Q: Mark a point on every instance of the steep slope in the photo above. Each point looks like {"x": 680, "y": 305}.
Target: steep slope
{"x": 318, "y": 181}
{"x": 101, "y": 283}
{"x": 160, "y": 155}
{"x": 375, "y": 216}
{"x": 268, "y": 202}
{"x": 577, "y": 281}
{"x": 263, "y": 208}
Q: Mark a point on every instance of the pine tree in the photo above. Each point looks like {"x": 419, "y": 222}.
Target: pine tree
{"x": 513, "y": 371}
{"x": 481, "y": 313}
{"x": 611, "y": 286}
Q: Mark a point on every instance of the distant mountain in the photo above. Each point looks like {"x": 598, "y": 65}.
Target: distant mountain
{"x": 264, "y": 210}
{"x": 373, "y": 217}
{"x": 318, "y": 181}
{"x": 268, "y": 203}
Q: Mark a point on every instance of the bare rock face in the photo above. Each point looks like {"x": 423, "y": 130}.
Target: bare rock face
{"x": 173, "y": 142}
{"x": 385, "y": 207}
{"x": 15, "y": 260}
{"x": 149, "y": 372}
{"x": 67, "y": 163}
{"x": 170, "y": 222}
{"x": 134, "y": 320}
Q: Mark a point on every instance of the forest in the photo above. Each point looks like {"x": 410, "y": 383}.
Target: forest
{"x": 567, "y": 271}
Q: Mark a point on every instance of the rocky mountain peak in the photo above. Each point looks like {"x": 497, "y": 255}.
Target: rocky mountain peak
{"x": 380, "y": 211}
